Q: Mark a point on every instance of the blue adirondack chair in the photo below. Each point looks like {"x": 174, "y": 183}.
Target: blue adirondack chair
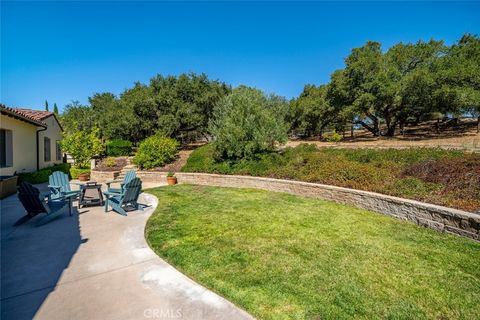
{"x": 127, "y": 199}
{"x": 35, "y": 202}
{"x": 60, "y": 186}
{"x": 128, "y": 177}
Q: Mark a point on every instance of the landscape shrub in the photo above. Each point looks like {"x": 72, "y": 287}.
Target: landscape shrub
{"x": 413, "y": 188}
{"x": 110, "y": 162}
{"x": 82, "y": 146}
{"x": 41, "y": 176}
{"x": 75, "y": 172}
{"x": 156, "y": 151}
{"x": 333, "y": 137}
{"x": 118, "y": 147}
{"x": 247, "y": 123}
{"x": 444, "y": 177}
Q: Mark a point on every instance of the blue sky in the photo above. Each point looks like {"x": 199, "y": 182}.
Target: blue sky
{"x": 63, "y": 51}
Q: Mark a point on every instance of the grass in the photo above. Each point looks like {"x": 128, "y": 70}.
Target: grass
{"x": 280, "y": 256}
{"x": 449, "y": 178}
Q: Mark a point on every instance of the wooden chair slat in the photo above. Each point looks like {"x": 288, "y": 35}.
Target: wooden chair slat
{"x": 30, "y": 198}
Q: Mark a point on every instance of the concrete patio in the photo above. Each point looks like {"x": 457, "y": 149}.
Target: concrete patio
{"x": 95, "y": 265}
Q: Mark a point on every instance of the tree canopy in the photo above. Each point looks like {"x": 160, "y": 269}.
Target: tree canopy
{"x": 377, "y": 89}
{"x": 409, "y": 82}
{"x": 174, "y": 106}
{"x": 248, "y": 122}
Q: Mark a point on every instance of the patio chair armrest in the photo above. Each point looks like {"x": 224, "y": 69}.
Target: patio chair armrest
{"x": 68, "y": 196}
{"x": 110, "y": 194}
{"x": 113, "y": 181}
{"x": 77, "y": 183}
{"x": 44, "y": 195}
{"x": 108, "y": 183}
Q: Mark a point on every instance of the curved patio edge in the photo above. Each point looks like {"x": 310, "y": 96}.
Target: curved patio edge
{"x": 436, "y": 217}
{"x": 196, "y": 299}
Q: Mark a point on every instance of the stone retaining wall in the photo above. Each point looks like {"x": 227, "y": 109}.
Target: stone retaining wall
{"x": 102, "y": 176}
{"x": 436, "y": 217}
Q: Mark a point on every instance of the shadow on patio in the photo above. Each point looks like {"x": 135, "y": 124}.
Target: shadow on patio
{"x": 33, "y": 258}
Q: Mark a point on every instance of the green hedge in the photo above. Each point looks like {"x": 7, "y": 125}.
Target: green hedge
{"x": 75, "y": 172}
{"x": 42, "y": 175}
{"x": 118, "y": 147}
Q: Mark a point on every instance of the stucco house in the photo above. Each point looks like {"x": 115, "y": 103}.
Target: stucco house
{"x": 29, "y": 140}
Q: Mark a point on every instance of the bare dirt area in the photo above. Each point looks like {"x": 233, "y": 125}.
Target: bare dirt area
{"x": 178, "y": 163}
{"x": 116, "y": 165}
{"x": 456, "y": 137}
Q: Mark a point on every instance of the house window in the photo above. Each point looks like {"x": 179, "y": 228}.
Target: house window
{"x": 59, "y": 150}
{"x": 6, "y": 148}
{"x": 46, "y": 149}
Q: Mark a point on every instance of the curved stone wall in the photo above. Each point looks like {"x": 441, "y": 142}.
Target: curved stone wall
{"x": 432, "y": 216}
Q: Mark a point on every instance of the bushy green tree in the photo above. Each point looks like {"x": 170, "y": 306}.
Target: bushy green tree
{"x": 311, "y": 112}
{"x": 77, "y": 117}
{"x": 114, "y": 118}
{"x": 55, "y": 108}
{"x": 458, "y": 76}
{"x": 82, "y": 146}
{"x": 176, "y": 106}
{"x": 248, "y": 122}
{"x": 185, "y": 103}
{"x": 387, "y": 86}
{"x": 118, "y": 147}
{"x": 156, "y": 151}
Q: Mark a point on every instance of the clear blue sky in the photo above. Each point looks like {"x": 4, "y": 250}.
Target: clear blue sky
{"x": 63, "y": 51}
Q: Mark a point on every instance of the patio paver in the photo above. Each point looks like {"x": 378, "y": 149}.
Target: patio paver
{"x": 94, "y": 265}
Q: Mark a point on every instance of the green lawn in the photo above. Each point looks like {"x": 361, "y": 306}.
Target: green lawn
{"x": 280, "y": 256}
{"x": 444, "y": 177}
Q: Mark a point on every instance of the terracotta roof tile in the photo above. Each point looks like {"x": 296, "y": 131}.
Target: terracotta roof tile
{"x": 38, "y": 115}
{"x": 28, "y": 115}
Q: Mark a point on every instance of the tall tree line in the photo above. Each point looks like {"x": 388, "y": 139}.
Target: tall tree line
{"x": 175, "y": 106}
{"x": 408, "y": 83}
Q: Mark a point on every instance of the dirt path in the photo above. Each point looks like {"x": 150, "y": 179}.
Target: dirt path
{"x": 177, "y": 164}
{"x": 470, "y": 142}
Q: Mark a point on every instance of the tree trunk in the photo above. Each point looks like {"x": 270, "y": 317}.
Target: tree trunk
{"x": 390, "y": 128}
{"x": 376, "y": 126}
{"x": 373, "y": 130}
{"x": 351, "y": 131}
{"x": 478, "y": 124}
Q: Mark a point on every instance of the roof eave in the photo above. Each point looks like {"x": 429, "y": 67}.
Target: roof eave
{"x": 17, "y": 116}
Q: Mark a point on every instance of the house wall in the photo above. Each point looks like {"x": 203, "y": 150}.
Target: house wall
{"x": 23, "y": 145}
{"x": 54, "y": 132}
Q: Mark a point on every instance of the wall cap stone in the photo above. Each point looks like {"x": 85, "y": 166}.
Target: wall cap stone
{"x": 450, "y": 211}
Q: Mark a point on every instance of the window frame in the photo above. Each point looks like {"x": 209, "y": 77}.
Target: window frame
{"x": 58, "y": 150}
{"x": 47, "y": 144}
{"x": 6, "y": 157}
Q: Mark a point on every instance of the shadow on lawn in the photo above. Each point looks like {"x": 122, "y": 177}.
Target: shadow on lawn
{"x": 33, "y": 258}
